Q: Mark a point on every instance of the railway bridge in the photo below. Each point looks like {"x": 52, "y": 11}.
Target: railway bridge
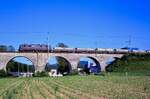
{"x": 40, "y": 59}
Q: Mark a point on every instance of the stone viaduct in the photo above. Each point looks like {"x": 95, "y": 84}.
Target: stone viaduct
{"x": 40, "y": 60}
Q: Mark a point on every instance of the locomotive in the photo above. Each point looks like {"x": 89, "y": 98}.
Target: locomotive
{"x": 33, "y": 48}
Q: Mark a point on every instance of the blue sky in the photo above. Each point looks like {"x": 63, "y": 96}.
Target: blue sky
{"x": 78, "y": 23}
{"x": 23, "y": 60}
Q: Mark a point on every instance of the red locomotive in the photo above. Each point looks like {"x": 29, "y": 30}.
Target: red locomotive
{"x": 33, "y": 48}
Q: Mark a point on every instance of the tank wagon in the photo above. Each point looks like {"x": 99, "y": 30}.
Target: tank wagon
{"x": 103, "y": 50}
{"x": 60, "y": 49}
{"x": 122, "y": 51}
{"x": 85, "y": 50}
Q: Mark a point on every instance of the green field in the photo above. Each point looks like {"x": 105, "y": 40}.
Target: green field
{"x": 110, "y": 86}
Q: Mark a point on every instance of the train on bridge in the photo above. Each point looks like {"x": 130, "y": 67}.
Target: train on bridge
{"x": 46, "y": 48}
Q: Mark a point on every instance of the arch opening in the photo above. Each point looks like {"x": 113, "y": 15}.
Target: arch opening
{"x": 58, "y": 66}
{"x": 88, "y": 65}
{"x": 20, "y": 66}
{"x": 110, "y": 60}
{"x": 109, "y": 63}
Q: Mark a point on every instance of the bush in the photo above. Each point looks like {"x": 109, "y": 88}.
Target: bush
{"x": 74, "y": 72}
{"x": 41, "y": 74}
{"x": 3, "y": 73}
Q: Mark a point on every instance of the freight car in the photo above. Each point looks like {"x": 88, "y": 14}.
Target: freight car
{"x": 104, "y": 50}
{"x": 122, "y": 51}
{"x": 66, "y": 50}
{"x": 85, "y": 50}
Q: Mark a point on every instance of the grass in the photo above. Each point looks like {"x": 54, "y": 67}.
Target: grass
{"x": 132, "y": 65}
{"x": 110, "y": 86}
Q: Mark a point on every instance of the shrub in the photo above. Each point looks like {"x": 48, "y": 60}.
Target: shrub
{"x": 74, "y": 72}
{"x": 41, "y": 74}
{"x": 3, "y": 73}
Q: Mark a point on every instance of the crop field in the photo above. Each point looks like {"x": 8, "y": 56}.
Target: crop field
{"x": 76, "y": 87}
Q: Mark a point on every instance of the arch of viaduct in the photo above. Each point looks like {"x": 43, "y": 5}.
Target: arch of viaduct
{"x": 41, "y": 59}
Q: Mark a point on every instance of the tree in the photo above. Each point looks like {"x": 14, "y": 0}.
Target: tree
{"x": 3, "y": 48}
{"x": 3, "y": 73}
{"x": 63, "y": 65}
{"x": 10, "y": 48}
{"x": 62, "y": 45}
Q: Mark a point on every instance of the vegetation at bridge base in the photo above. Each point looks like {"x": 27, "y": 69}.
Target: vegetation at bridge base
{"x": 64, "y": 65}
{"x": 41, "y": 74}
{"x": 138, "y": 64}
{"x": 74, "y": 72}
{"x": 3, "y": 73}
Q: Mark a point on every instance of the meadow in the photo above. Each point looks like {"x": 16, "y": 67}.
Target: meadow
{"x": 108, "y": 86}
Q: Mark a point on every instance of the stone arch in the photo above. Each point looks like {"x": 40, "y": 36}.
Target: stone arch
{"x": 95, "y": 60}
{"x": 66, "y": 60}
{"x": 109, "y": 61}
{"x": 11, "y": 58}
{"x": 92, "y": 58}
{"x": 103, "y": 59}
